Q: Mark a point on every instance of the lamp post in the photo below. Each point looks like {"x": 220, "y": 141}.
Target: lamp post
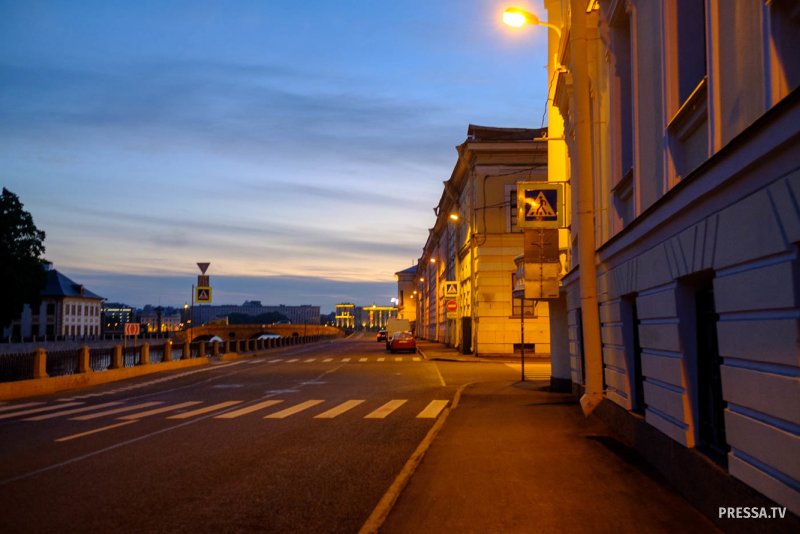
{"x": 584, "y": 218}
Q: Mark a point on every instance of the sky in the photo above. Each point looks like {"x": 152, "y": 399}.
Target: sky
{"x": 299, "y": 150}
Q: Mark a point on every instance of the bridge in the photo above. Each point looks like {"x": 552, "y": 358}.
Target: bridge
{"x": 252, "y": 331}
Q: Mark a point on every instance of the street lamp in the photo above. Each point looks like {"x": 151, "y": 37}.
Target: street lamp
{"x": 517, "y": 18}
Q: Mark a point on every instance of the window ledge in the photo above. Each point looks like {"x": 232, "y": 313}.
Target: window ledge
{"x": 691, "y": 114}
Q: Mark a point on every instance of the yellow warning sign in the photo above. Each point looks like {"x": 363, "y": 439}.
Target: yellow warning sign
{"x": 203, "y": 294}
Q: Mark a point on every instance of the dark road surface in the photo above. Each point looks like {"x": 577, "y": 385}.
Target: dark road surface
{"x": 300, "y": 439}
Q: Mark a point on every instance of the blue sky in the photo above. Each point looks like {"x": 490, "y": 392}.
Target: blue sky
{"x": 300, "y": 151}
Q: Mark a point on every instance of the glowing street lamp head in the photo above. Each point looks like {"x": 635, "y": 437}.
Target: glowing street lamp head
{"x": 516, "y": 17}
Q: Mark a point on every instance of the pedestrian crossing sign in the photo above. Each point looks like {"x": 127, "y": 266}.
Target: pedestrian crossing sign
{"x": 540, "y": 205}
{"x": 203, "y": 294}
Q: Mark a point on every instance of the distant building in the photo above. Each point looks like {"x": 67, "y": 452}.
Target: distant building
{"x": 407, "y": 294}
{"x": 160, "y": 320}
{"x": 114, "y": 315}
{"x": 67, "y": 309}
{"x": 374, "y": 316}
{"x": 467, "y": 262}
{"x": 304, "y": 314}
{"x": 345, "y": 315}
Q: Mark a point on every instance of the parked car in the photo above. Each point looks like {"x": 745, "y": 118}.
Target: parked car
{"x": 381, "y": 335}
{"x": 403, "y": 340}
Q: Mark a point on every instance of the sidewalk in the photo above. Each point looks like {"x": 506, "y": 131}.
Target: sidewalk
{"x": 514, "y": 457}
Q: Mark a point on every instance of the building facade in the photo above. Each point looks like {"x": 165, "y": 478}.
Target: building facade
{"x": 465, "y": 275}
{"x": 345, "y": 316}
{"x": 114, "y": 317}
{"x": 683, "y": 308}
{"x": 407, "y": 294}
{"x": 67, "y": 309}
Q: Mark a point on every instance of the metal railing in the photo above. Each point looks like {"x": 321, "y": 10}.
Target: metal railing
{"x": 63, "y": 362}
{"x": 16, "y": 366}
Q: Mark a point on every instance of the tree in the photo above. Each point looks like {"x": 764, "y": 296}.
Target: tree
{"x": 21, "y": 265}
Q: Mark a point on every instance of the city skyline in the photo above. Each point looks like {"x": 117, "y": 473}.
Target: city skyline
{"x": 281, "y": 145}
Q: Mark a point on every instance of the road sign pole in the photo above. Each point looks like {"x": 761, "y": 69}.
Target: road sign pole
{"x": 522, "y": 335}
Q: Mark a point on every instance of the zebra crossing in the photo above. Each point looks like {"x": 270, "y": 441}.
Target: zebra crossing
{"x": 270, "y": 409}
{"x": 533, "y": 371}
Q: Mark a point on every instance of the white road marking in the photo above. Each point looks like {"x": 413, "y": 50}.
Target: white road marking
{"x": 326, "y": 360}
{"x": 157, "y": 411}
{"x": 345, "y": 360}
{"x": 398, "y": 359}
{"x": 39, "y": 410}
{"x": 363, "y": 359}
{"x": 205, "y": 409}
{"x": 294, "y": 409}
{"x": 73, "y": 411}
{"x": 381, "y": 359}
{"x": 386, "y": 409}
{"x": 310, "y": 360}
{"x": 19, "y": 406}
{"x": 417, "y": 359}
{"x": 95, "y": 431}
{"x": 339, "y": 410}
{"x": 248, "y": 409}
{"x": 293, "y": 360}
{"x": 533, "y": 371}
{"x": 433, "y": 409}
{"x": 116, "y": 411}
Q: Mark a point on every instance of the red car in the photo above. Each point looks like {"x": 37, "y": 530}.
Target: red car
{"x": 402, "y": 341}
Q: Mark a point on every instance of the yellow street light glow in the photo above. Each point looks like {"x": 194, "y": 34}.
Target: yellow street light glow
{"x": 433, "y": 260}
{"x": 454, "y": 217}
{"x": 517, "y": 18}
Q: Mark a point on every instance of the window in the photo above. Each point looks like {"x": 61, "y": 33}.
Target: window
{"x": 511, "y": 195}
{"x": 784, "y": 25}
{"x": 622, "y": 127}
{"x": 687, "y": 85}
{"x": 633, "y": 352}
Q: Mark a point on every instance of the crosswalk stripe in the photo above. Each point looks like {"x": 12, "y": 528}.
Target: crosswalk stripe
{"x": 116, "y": 411}
{"x": 72, "y": 411}
{"x": 278, "y": 360}
{"x": 156, "y": 411}
{"x": 294, "y": 409}
{"x": 386, "y": 409}
{"x": 381, "y": 359}
{"x": 310, "y": 360}
{"x": 248, "y": 409}
{"x": 432, "y": 410}
{"x": 417, "y": 359}
{"x": 398, "y": 359}
{"x": 345, "y": 360}
{"x": 39, "y": 410}
{"x": 339, "y": 410}
{"x": 326, "y": 360}
{"x": 363, "y": 359}
{"x": 205, "y": 409}
{"x": 293, "y": 360}
{"x": 19, "y": 406}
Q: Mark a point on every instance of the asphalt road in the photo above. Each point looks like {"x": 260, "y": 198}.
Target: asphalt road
{"x": 300, "y": 439}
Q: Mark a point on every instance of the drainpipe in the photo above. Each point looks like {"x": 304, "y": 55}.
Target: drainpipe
{"x": 593, "y": 393}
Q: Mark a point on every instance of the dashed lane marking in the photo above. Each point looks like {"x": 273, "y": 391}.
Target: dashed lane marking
{"x": 95, "y": 431}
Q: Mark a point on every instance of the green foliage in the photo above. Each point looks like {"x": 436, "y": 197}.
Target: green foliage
{"x": 21, "y": 266}
{"x": 264, "y": 318}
